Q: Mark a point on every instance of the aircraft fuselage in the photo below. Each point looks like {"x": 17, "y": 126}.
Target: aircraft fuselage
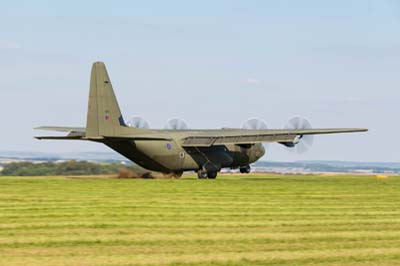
{"x": 171, "y": 157}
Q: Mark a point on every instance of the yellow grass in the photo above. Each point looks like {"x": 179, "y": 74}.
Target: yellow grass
{"x": 234, "y": 220}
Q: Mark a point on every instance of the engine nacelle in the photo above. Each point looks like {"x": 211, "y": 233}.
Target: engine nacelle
{"x": 291, "y": 144}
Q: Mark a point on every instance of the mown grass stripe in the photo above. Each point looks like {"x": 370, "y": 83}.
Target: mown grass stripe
{"x": 259, "y": 220}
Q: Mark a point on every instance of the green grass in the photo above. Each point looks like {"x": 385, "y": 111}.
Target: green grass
{"x": 234, "y": 220}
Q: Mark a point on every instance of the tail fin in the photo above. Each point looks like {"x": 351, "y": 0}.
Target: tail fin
{"x": 104, "y": 117}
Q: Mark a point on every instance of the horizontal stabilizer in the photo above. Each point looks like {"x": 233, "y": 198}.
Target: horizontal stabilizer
{"x": 61, "y": 129}
{"x": 73, "y": 133}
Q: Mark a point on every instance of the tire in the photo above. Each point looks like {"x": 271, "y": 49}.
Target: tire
{"x": 212, "y": 175}
{"x": 245, "y": 169}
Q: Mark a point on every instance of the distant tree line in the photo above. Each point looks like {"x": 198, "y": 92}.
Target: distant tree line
{"x": 61, "y": 168}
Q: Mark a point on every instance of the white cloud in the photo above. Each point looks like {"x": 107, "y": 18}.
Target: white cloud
{"x": 253, "y": 81}
{"x": 353, "y": 100}
{"x": 6, "y": 45}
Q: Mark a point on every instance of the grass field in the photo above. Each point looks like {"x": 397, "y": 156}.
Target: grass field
{"x": 234, "y": 220}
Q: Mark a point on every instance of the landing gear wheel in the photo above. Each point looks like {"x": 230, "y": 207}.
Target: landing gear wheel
{"x": 245, "y": 169}
{"x": 201, "y": 174}
{"x": 212, "y": 175}
{"x": 177, "y": 174}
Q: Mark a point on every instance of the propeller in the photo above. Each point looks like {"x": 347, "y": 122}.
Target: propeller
{"x": 137, "y": 122}
{"x": 302, "y": 143}
{"x": 176, "y": 124}
{"x": 254, "y": 124}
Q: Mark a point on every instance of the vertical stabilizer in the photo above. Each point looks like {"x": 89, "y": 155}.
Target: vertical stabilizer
{"x": 104, "y": 117}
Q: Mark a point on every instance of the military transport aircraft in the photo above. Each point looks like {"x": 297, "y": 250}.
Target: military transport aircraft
{"x": 178, "y": 149}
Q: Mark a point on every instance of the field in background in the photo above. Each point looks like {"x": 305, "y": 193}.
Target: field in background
{"x": 234, "y": 220}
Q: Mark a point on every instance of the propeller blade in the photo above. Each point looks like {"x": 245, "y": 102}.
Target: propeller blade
{"x": 254, "y": 124}
{"x": 137, "y": 122}
{"x": 306, "y": 141}
{"x": 176, "y": 124}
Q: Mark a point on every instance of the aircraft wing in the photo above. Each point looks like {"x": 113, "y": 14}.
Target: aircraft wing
{"x": 243, "y": 136}
{"x": 205, "y": 138}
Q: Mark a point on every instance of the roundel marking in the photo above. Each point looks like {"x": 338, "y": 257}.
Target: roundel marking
{"x": 107, "y": 116}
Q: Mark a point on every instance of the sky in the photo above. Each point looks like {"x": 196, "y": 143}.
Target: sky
{"x": 212, "y": 63}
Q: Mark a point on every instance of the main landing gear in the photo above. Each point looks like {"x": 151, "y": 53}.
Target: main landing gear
{"x": 204, "y": 175}
{"x": 245, "y": 169}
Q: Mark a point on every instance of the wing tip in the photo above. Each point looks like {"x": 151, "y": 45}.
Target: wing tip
{"x": 361, "y": 129}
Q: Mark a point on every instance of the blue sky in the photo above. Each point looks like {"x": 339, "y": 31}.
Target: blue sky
{"x": 212, "y": 63}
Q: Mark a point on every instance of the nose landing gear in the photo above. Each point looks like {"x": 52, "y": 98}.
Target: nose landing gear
{"x": 201, "y": 174}
{"x": 212, "y": 175}
{"x": 245, "y": 169}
